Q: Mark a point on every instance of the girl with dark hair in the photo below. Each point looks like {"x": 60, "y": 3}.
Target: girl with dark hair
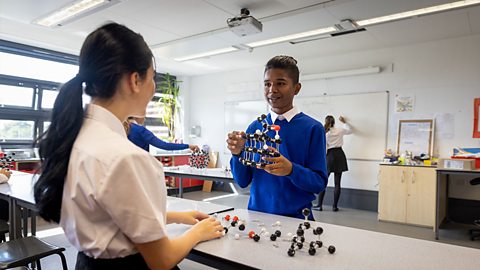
{"x": 336, "y": 159}
{"x": 107, "y": 194}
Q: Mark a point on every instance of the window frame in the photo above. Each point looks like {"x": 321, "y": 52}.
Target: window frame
{"x": 36, "y": 113}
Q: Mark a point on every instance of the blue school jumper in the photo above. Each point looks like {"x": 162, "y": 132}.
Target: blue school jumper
{"x": 303, "y": 143}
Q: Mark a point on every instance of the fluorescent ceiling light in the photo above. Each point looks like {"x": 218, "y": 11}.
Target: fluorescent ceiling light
{"x": 70, "y": 11}
{"x": 342, "y": 73}
{"x": 292, "y": 37}
{"x": 205, "y": 54}
{"x": 418, "y": 12}
{"x": 300, "y": 37}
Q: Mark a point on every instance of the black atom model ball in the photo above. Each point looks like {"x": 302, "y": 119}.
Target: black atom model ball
{"x": 306, "y": 212}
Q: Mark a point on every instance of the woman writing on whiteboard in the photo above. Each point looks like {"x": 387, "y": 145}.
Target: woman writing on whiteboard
{"x": 336, "y": 159}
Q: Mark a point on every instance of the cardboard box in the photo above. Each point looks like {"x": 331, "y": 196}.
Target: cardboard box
{"x": 477, "y": 160}
{"x": 456, "y": 164}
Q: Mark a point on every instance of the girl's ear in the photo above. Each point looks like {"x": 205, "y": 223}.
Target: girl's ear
{"x": 134, "y": 82}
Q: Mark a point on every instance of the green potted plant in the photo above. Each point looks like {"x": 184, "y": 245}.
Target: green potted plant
{"x": 169, "y": 99}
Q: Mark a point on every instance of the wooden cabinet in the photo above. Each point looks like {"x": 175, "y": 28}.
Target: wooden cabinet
{"x": 407, "y": 194}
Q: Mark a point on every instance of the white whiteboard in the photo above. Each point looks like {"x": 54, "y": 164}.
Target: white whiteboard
{"x": 367, "y": 113}
{"x": 240, "y": 114}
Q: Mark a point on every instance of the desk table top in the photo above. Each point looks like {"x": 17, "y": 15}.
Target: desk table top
{"x": 355, "y": 248}
{"x": 186, "y": 170}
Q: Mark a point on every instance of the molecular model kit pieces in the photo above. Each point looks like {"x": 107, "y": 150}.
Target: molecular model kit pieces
{"x": 260, "y": 144}
{"x": 6, "y": 161}
{"x": 199, "y": 159}
{"x": 298, "y": 241}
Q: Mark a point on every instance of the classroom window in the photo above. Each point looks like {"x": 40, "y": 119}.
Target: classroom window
{"x": 35, "y": 68}
{"x": 48, "y": 98}
{"x": 17, "y": 130}
{"x": 30, "y": 78}
{"x": 16, "y": 96}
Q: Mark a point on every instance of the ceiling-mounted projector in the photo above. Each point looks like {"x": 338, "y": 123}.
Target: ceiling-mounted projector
{"x": 244, "y": 24}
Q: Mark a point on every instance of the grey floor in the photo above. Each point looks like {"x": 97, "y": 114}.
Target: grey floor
{"x": 456, "y": 234}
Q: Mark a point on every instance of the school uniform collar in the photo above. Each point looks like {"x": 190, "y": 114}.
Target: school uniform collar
{"x": 107, "y": 118}
{"x": 287, "y": 115}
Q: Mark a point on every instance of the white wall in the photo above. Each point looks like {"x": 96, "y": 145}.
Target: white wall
{"x": 443, "y": 76}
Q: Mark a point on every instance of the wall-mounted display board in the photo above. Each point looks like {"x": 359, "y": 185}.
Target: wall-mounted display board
{"x": 367, "y": 113}
{"x": 415, "y": 136}
{"x": 240, "y": 114}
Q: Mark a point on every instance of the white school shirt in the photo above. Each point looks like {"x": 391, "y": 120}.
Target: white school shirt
{"x": 114, "y": 193}
{"x": 335, "y": 136}
{"x": 287, "y": 115}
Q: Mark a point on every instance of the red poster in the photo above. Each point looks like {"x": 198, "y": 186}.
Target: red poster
{"x": 476, "y": 118}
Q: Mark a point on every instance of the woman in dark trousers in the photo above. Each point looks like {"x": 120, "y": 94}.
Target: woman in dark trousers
{"x": 336, "y": 159}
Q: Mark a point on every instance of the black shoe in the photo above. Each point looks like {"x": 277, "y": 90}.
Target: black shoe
{"x": 335, "y": 209}
{"x": 317, "y": 208}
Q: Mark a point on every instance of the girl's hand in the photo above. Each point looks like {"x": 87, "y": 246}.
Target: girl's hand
{"x": 207, "y": 229}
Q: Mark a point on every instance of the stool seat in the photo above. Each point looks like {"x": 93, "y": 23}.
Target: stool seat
{"x": 22, "y": 251}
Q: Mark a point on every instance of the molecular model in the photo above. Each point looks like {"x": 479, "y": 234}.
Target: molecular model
{"x": 6, "y": 161}
{"x": 259, "y": 145}
{"x": 199, "y": 159}
{"x": 298, "y": 242}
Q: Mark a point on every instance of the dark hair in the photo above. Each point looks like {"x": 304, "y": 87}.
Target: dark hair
{"x": 106, "y": 55}
{"x": 288, "y": 63}
{"x": 329, "y": 122}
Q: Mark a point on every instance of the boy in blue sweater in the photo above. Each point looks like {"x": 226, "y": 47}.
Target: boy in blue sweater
{"x": 289, "y": 184}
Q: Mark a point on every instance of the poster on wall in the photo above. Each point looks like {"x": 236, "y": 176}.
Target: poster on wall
{"x": 404, "y": 103}
{"x": 415, "y": 136}
{"x": 476, "y": 118}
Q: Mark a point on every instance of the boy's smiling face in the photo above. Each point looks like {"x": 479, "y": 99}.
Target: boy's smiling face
{"x": 279, "y": 90}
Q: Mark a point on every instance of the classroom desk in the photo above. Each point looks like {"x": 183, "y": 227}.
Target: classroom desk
{"x": 18, "y": 191}
{"x": 210, "y": 174}
{"x": 441, "y": 209}
{"x": 355, "y": 249}
{"x": 179, "y": 204}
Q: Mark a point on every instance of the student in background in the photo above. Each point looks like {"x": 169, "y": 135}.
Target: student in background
{"x": 95, "y": 183}
{"x": 288, "y": 185}
{"x": 143, "y": 137}
{"x": 336, "y": 159}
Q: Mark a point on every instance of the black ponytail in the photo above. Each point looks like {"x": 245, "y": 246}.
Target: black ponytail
{"x": 106, "y": 55}
{"x": 67, "y": 118}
